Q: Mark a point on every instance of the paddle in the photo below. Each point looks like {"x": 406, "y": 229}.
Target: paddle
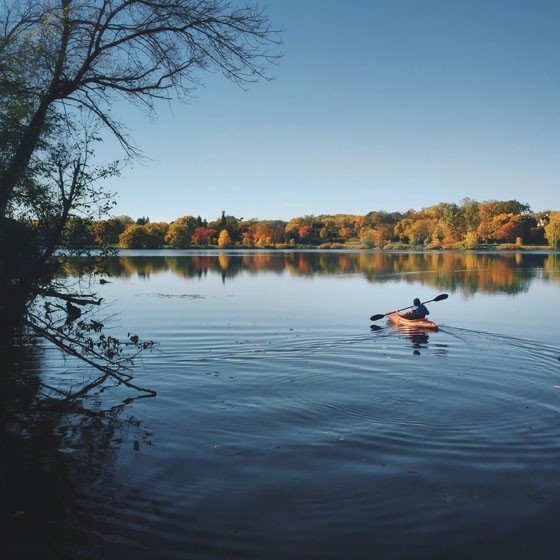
{"x": 381, "y": 315}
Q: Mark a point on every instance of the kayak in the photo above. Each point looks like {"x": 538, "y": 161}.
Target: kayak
{"x": 400, "y": 321}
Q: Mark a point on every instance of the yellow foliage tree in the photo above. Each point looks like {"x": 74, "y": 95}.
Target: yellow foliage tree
{"x": 471, "y": 240}
{"x": 552, "y": 231}
{"x": 367, "y": 237}
{"x": 177, "y": 236}
{"x": 224, "y": 240}
{"x": 134, "y": 237}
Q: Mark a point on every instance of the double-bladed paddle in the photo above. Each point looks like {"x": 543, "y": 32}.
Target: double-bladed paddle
{"x": 381, "y": 315}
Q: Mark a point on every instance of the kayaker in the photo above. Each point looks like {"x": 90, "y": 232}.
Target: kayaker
{"x": 419, "y": 310}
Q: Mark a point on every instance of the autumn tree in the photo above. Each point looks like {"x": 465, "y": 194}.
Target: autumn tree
{"x": 552, "y": 230}
{"x": 329, "y": 231}
{"x": 134, "y": 237}
{"x": 345, "y": 233}
{"x": 383, "y": 234}
{"x": 471, "y": 214}
{"x": 471, "y": 240}
{"x": 528, "y": 226}
{"x": 107, "y": 232}
{"x": 190, "y": 222}
{"x": 508, "y": 232}
{"x": 247, "y": 239}
{"x": 246, "y": 229}
{"x": 203, "y": 236}
{"x": 300, "y": 229}
{"x": 378, "y": 217}
{"x": 451, "y": 224}
{"x": 149, "y": 236}
{"x": 367, "y": 237}
{"x": 155, "y": 234}
{"x": 420, "y": 231}
{"x": 269, "y": 232}
{"x": 229, "y": 223}
{"x": 178, "y": 235}
{"x": 224, "y": 239}
{"x": 402, "y": 229}
{"x": 489, "y": 209}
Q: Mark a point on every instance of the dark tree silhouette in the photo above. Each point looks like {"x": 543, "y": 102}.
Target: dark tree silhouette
{"x": 63, "y": 64}
{"x": 68, "y": 54}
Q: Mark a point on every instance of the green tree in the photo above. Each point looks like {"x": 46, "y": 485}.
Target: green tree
{"x": 329, "y": 231}
{"x": 471, "y": 213}
{"x": 379, "y": 217}
{"x": 190, "y": 222}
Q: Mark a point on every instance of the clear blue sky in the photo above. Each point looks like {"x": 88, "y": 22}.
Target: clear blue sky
{"x": 386, "y": 104}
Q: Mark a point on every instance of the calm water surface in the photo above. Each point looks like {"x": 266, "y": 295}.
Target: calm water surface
{"x": 285, "y": 428}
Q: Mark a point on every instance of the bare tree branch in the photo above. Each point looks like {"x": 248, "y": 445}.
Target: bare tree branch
{"x": 144, "y": 50}
{"x": 74, "y": 347}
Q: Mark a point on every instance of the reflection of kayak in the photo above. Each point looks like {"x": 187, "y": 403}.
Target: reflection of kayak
{"x": 399, "y": 320}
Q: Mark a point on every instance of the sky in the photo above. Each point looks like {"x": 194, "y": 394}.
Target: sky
{"x": 375, "y": 104}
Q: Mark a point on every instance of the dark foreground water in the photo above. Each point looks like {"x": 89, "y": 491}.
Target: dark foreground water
{"x": 285, "y": 428}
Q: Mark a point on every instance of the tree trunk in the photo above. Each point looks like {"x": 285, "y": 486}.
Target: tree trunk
{"x": 13, "y": 305}
{"x": 18, "y": 165}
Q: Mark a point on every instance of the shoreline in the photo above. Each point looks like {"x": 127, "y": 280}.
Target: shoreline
{"x": 344, "y": 249}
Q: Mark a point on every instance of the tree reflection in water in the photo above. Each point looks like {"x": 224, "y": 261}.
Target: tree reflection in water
{"x": 55, "y": 472}
{"x": 51, "y": 453}
{"x": 467, "y": 272}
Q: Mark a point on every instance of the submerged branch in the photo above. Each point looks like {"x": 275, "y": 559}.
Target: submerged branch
{"x": 111, "y": 369}
{"x": 72, "y": 298}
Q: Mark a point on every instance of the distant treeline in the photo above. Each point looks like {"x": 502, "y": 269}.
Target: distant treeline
{"x": 467, "y": 225}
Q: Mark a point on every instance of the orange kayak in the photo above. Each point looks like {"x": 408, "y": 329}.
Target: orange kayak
{"x": 398, "y": 320}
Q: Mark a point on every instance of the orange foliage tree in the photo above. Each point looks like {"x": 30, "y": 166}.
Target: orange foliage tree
{"x": 203, "y": 236}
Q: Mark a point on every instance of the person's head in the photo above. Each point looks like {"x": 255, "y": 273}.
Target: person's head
{"x": 416, "y": 301}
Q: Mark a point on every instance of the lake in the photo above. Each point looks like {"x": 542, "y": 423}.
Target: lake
{"x": 284, "y": 427}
